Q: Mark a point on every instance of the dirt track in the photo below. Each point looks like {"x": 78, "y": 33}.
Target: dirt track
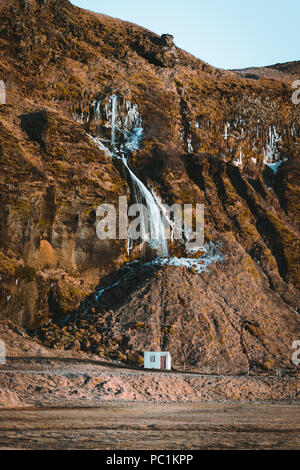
{"x": 44, "y": 382}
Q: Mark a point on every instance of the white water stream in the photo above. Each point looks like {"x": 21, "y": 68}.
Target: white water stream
{"x": 152, "y": 230}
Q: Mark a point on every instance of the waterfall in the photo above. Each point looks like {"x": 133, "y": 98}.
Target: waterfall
{"x": 164, "y": 213}
{"x": 153, "y": 231}
{"x": 155, "y": 223}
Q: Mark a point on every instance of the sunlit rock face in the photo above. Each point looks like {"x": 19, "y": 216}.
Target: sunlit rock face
{"x": 90, "y": 95}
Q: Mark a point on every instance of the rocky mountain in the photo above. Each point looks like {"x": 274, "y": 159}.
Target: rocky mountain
{"x": 287, "y": 72}
{"x": 95, "y": 108}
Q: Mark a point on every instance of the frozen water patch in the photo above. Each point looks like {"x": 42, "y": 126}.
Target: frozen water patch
{"x": 97, "y": 141}
{"x": 134, "y": 139}
{"x": 100, "y": 292}
{"x": 133, "y": 119}
{"x": 274, "y": 166}
{"x": 239, "y": 160}
{"x": 227, "y": 126}
{"x": 211, "y": 256}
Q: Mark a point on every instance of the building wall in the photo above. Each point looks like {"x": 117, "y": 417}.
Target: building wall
{"x": 149, "y": 364}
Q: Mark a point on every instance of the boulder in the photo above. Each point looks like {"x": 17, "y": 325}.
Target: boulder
{"x": 166, "y": 40}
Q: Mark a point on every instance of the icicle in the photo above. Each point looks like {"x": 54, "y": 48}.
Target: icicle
{"x": 227, "y": 125}
{"x": 239, "y": 161}
{"x": 270, "y": 150}
{"x": 113, "y": 119}
{"x": 189, "y": 145}
{"x": 98, "y": 111}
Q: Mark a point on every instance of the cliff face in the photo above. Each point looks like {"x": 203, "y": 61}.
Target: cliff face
{"x": 209, "y": 136}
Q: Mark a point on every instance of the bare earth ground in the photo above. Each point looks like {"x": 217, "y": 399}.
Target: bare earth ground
{"x": 79, "y": 404}
{"x": 158, "y": 426}
{"x": 51, "y": 399}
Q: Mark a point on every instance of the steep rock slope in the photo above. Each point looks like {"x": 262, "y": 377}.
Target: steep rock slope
{"x": 209, "y": 136}
{"x": 224, "y": 316}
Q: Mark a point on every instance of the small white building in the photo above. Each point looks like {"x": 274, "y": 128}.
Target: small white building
{"x": 157, "y": 360}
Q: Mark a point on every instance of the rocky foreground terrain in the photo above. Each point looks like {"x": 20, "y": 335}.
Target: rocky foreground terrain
{"x": 39, "y": 377}
{"x": 224, "y": 139}
{"x": 51, "y": 399}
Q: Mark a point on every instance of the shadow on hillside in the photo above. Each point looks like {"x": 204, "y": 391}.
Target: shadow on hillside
{"x": 35, "y": 125}
{"x": 116, "y": 286}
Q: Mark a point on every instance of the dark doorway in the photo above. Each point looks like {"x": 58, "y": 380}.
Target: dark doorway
{"x": 163, "y": 362}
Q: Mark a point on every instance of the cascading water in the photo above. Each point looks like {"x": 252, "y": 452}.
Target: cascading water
{"x": 155, "y": 223}
{"x": 152, "y": 229}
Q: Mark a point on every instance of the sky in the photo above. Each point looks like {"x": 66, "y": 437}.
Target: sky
{"x": 225, "y": 33}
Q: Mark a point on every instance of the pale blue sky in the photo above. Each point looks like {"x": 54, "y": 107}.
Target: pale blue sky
{"x": 224, "y": 33}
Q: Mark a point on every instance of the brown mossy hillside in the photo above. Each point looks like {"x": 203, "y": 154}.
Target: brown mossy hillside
{"x": 283, "y": 241}
{"x": 206, "y": 134}
{"x": 52, "y": 180}
{"x": 287, "y": 72}
{"x": 95, "y": 54}
{"x": 219, "y": 317}
{"x": 236, "y": 205}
